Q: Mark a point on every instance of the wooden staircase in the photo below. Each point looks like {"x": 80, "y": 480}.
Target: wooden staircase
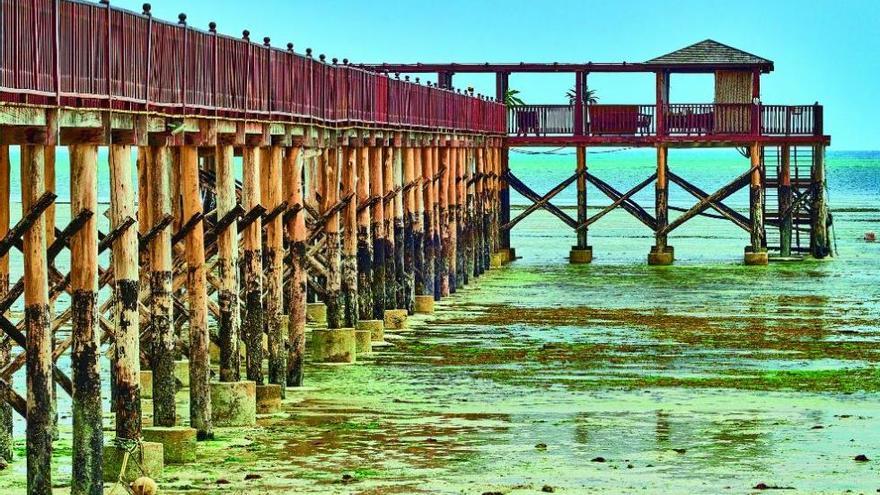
{"x": 801, "y": 160}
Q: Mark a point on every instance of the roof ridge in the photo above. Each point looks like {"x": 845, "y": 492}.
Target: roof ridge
{"x": 709, "y": 52}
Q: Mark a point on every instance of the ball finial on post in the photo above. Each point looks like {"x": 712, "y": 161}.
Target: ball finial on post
{"x": 322, "y": 57}
{"x": 266, "y": 41}
{"x": 212, "y": 26}
{"x": 147, "y": 8}
{"x": 309, "y": 52}
{"x": 345, "y": 61}
{"x": 335, "y": 60}
{"x": 246, "y": 34}
{"x": 290, "y": 47}
{"x": 181, "y": 18}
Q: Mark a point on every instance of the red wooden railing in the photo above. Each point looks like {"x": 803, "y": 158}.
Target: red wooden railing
{"x": 86, "y": 55}
{"x": 690, "y": 119}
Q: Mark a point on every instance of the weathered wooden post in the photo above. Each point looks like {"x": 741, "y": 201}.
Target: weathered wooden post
{"x": 158, "y": 164}
{"x": 229, "y": 322}
{"x": 469, "y": 213}
{"x": 390, "y": 238}
{"x": 38, "y": 329}
{"x": 428, "y": 226}
{"x": 452, "y": 214}
{"x": 819, "y": 240}
{"x": 349, "y": 234}
{"x": 785, "y": 199}
{"x": 273, "y": 257}
{"x": 443, "y": 217}
{"x": 409, "y": 211}
{"x": 126, "y": 365}
{"x": 504, "y": 203}
{"x": 423, "y": 301}
{"x": 401, "y": 284}
{"x": 331, "y": 236}
{"x": 88, "y": 434}
{"x": 661, "y": 253}
{"x": 364, "y": 241}
{"x": 582, "y": 252}
{"x": 479, "y": 210}
{"x": 6, "y": 442}
{"x": 197, "y": 292}
{"x": 460, "y": 221}
{"x": 296, "y": 230}
{"x": 756, "y": 252}
{"x": 377, "y": 190}
{"x": 252, "y": 269}
{"x": 436, "y": 180}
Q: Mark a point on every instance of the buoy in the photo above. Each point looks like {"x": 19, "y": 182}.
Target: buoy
{"x": 144, "y": 486}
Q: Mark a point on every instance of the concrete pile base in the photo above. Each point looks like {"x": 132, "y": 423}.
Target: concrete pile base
{"x": 336, "y": 345}
{"x": 268, "y": 398}
{"x": 395, "y": 319}
{"x": 234, "y": 403}
{"x": 178, "y": 442}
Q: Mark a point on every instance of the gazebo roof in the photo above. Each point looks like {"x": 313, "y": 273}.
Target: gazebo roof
{"x": 711, "y": 54}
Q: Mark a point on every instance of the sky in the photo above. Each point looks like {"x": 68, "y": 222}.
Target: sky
{"x": 825, "y": 51}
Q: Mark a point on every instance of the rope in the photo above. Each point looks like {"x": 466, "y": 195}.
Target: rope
{"x": 130, "y": 447}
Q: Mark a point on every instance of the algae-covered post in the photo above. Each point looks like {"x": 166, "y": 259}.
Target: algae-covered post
{"x": 756, "y": 252}
{"x": 126, "y": 328}
{"x": 273, "y": 258}
{"x": 409, "y": 211}
{"x": 331, "y": 235}
{"x": 785, "y": 198}
{"x": 364, "y": 241}
{"x": 400, "y": 283}
{"x": 229, "y": 319}
{"x": 158, "y": 163}
{"x": 428, "y": 227}
{"x": 390, "y": 238}
{"x": 252, "y": 320}
{"x": 377, "y": 226}
{"x": 40, "y": 411}
{"x": 819, "y": 240}
{"x": 350, "y": 310}
{"x": 88, "y": 435}
{"x": 296, "y": 232}
{"x": 197, "y": 293}
{"x": 6, "y": 440}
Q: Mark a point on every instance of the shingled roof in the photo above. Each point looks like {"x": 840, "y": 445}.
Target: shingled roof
{"x": 711, "y": 53}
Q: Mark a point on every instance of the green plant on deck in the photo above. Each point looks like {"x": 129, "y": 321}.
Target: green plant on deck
{"x": 589, "y": 96}
{"x": 512, "y": 99}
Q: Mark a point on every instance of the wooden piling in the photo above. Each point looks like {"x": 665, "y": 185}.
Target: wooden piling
{"x": 197, "y": 292}
{"x": 229, "y": 321}
{"x": 333, "y": 300}
{"x": 452, "y": 215}
{"x": 273, "y": 268}
{"x": 428, "y": 227}
{"x": 469, "y": 214}
{"x": 756, "y": 197}
{"x": 400, "y": 277}
{"x": 784, "y": 201}
{"x": 419, "y": 272}
{"x": 349, "y": 238}
{"x": 158, "y": 163}
{"x": 88, "y": 434}
{"x": 126, "y": 328}
{"x": 443, "y": 218}
{"x": 296, "y": 300}
{"x": 364, "y": 242}
{"x": 820, "y": 246}
{"x": 6, "y": 442}
{"x": 377, "y": 226}
{"x": 390, "y": 237}
{"x": 581, "y": 169}
{"x": 661, "y": 198}
{"x": 503, "y": 196}
{"x": 409, "y": 212}
{"x": 480, "y": 226}
{"x": 460, "y": 227}
{"x": 38, "y": 329}
{"x": 252, "y": 269}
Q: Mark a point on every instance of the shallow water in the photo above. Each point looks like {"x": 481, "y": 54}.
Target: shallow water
{"x": 703, "y": 377}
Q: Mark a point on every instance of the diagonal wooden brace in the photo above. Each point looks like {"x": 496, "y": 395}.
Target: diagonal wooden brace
{"x": 627, "y": 204}
{"x": 715, "y": 197}
{"x": 543, "y": 202}
{"x": 523, "y": 189}
{"x": 617, "y": 202}
{"x": 729, "y": 213}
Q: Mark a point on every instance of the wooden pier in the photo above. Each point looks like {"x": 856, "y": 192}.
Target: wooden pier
{"x": 338, "y": 198}
{"x": 771, "y": 136}
{"x": 361, "y": 190}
